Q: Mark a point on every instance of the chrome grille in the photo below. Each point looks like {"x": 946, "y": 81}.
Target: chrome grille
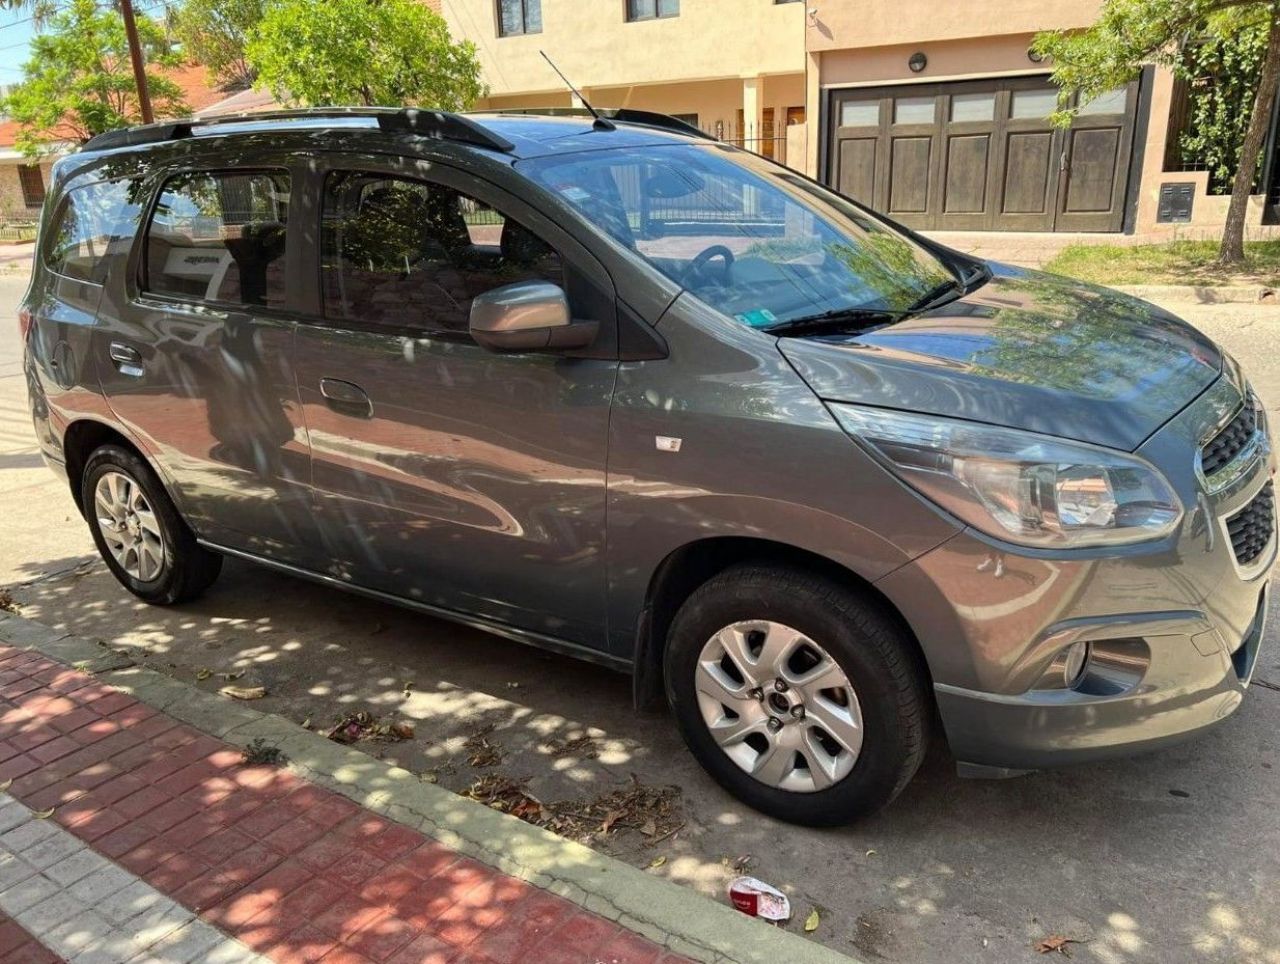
{"x": 1251, "y": 528}
{"x": 1228, "y": 443}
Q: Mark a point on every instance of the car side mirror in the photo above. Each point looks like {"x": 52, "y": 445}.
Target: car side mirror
{"x": 528, "y": 316}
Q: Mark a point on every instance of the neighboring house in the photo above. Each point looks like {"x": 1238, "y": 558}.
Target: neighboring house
{"x": 932, "y": 112}
{"x": 734, "y": 68}
{"x": 23, "y": 180}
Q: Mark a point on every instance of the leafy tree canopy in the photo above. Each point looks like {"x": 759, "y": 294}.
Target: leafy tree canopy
{"x": 1131, "y": 33}
{"x": 79, "y": 82}
{"x": 370, "y": 52}
{"x": 215, "y": 32}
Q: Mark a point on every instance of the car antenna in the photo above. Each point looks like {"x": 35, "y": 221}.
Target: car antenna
{"x": 600, "y": 123}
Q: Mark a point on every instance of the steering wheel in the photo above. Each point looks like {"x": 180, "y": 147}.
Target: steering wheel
{"x": 704, "y": 257}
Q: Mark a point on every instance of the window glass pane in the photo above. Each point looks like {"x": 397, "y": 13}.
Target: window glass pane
{"x": 407, "y": 254}
{"x": 95, "y": 221}
{"x": 973, "y": 107}
{"x": 757, "y": 243}
{"x": 640, "y": 9}
{"x": 220, "y": 237}
{"x": 1034, "y": 104}
{"x": 510, "y": 17}
{"x": 860, "y": 113}
{"x": 533, "y": 16}
{"x": 1108, "y": 102}
{"x": 913, "y": 110}
{"x": 668, "y": 8}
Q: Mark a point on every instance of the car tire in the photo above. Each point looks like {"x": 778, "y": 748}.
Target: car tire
{"x": 835, "y": 633}
{"x": 138, "y": 531}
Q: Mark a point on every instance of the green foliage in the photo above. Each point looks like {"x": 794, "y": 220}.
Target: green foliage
{"x": 79, "y": 81}
{"x": 1131, "y": 33}
{"x": 215, "y": 33}
{"x": 1223, "y": 74}
{"x": 369, "y": 52}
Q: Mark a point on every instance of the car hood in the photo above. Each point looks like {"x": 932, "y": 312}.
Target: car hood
{"x": 1026, "y": 350}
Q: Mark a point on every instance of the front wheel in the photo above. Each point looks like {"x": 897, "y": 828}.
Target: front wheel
{"x": 139, "y": 534}
{"x": 798, "y": 695}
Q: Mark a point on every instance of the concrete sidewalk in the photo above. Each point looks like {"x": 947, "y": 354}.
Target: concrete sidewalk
{"x": 129, "y": 834}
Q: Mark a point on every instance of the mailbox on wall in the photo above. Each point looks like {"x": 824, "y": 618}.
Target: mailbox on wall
{"x": 1176, "y": 201}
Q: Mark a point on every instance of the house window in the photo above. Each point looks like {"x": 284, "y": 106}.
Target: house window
{"x": 652, "y": 9}
{"x": 32, "y": 185}
{"x": 518, "y": 17}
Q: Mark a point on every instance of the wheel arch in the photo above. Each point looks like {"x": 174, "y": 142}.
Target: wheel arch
{"x": 691, "y": 565}
{"x": 80, "y": 440}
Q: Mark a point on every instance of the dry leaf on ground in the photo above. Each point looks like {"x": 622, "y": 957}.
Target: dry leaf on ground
{"x": 244, "y": 692}
{"x": 811, "y": 922}
{"x": 363, "y": 725}
{"x": 481, "y": 751}
{"x": 583, "y": 747}
{"x": 1055, "y": 942}
{"x": 7, "y": 602}
{"x": 203, "y": 673}
{"x": 633, "y": 807}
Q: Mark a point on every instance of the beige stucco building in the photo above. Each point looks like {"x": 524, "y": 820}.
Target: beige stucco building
{"x": 735, "y": 68}
{"x": 932, "y": 112}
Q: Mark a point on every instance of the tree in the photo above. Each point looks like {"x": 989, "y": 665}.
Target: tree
{"x": 215, "y": 33}
{"x": 1130, "y": 33}
{"x": 79, "y": 82}
{"x": 383, "y": 52}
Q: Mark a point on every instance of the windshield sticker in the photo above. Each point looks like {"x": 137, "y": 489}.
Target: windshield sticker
{"x": 575, "y": 194}
{"x": 758, "y": 318}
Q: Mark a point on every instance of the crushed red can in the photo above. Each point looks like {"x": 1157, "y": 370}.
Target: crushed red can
{"x": 757, "y": 899}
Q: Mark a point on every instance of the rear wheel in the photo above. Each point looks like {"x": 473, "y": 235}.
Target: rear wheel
{"x": 139, "y": 533}
{"x": 798, "y": 695}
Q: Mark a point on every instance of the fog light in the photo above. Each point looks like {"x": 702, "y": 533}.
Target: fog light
{"x": 1074, "y": 661}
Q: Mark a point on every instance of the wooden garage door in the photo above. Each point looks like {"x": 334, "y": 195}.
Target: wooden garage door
{"x": 983, "y": 155}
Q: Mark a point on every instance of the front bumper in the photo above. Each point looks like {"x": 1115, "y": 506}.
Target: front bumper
{"x": 1175, "y": 626}
{"x": 1194, "y": 680}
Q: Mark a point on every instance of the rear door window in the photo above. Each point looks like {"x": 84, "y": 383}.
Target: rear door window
{"x": 220, "y": 237}
{"x": 404, "y": 253}
{"x": 94, "y": 223}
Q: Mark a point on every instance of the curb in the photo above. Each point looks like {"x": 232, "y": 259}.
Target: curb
{"x": 1205, "y": 294}
{"x": 666, "y": 913}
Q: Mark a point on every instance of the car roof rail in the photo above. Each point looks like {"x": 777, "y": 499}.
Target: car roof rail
{"x": 413, "y": 120}
{"x": 627, "y": 115}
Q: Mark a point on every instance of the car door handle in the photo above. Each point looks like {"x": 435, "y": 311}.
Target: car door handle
{"x": 345, "y": 398}
{"x": 128, "y": 361}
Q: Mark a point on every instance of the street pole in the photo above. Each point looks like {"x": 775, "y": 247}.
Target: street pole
{"x": 135, "y": 56}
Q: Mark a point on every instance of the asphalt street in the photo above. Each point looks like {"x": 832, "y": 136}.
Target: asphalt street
{"x": 1169, "y": 857}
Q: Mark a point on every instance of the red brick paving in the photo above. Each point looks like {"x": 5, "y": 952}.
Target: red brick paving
{"x": 19, "y": 947}
{"x": 293, "y": 870}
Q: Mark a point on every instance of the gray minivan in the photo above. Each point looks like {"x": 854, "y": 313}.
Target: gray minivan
{"x": 612, "y": 388}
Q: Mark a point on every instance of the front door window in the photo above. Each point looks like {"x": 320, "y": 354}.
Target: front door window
{"x": 405, "y": 254}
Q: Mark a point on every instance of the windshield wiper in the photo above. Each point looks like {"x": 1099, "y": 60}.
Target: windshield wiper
{"x": 937, "y": 295}
{"x": 841, "y": 319}
{"x": 947, "y": 291}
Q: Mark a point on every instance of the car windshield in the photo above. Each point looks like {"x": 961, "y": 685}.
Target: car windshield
{"x": 751, "y": 239}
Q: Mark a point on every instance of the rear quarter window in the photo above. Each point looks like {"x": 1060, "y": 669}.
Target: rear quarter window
{"x": 93, "y": 224}
{"x": 220, "y": 237}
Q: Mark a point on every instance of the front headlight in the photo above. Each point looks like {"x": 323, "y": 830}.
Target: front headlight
{"x": 1025, "y": 488}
